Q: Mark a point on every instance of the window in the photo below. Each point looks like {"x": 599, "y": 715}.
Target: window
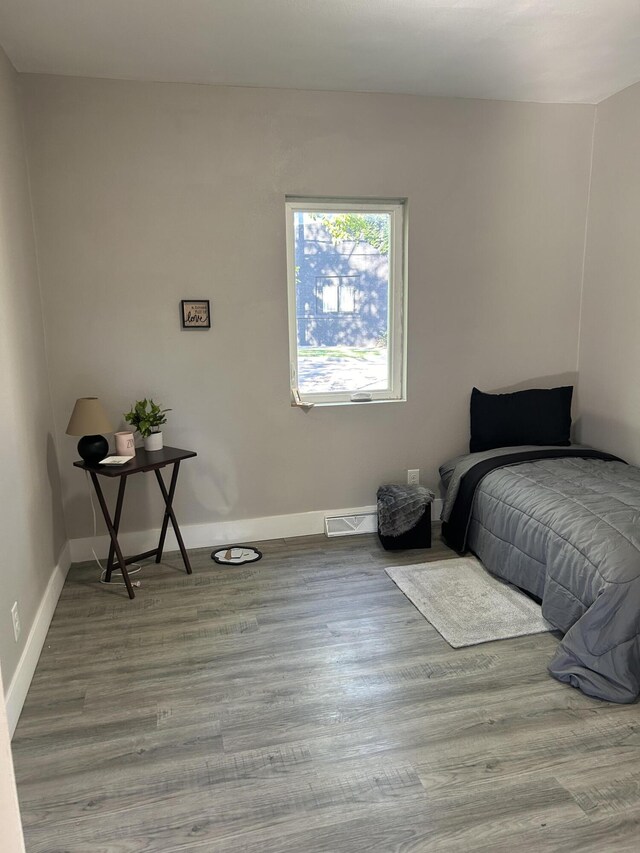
{"x": 346, "y": 271}
{"x": 336, "y": 294}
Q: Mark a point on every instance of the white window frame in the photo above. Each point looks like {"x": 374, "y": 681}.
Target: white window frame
{"x": 397, "y": 316}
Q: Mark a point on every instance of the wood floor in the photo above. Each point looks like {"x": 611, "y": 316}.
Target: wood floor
{"x": 302, "y": 704}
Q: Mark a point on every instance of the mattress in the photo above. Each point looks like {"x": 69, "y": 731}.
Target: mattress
{"x": 563, "y": 524}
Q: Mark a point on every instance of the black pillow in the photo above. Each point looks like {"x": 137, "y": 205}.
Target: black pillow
{"x": 539, "y": 416}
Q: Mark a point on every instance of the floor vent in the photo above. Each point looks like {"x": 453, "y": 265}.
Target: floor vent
{"x": 349, "y": 525}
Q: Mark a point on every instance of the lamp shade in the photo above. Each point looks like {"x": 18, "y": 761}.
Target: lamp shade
{"x": 88, "y": 418}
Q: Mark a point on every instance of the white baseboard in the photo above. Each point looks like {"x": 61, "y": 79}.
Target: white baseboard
{"x": 222, "y": 532}
{"x": 19, "y": 685}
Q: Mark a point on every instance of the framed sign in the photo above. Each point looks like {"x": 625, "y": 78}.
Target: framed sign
{"x": 195, "y": 314}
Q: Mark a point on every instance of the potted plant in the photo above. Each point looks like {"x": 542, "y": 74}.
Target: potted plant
{"x": 147, "y": 418}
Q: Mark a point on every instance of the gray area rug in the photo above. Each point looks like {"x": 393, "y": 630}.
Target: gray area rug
{"x": 466, "y": 604}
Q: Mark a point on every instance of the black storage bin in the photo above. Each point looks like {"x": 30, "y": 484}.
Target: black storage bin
{"x": 419, "y": 536}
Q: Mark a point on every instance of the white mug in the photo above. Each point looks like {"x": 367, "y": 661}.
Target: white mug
{"x": 125, "y": 445}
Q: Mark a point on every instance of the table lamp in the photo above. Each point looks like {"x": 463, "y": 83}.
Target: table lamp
{"x": 89, "y": 419}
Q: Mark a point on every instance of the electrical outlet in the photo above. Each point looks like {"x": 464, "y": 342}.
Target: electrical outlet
{"x": 16, "y": 620}
{"x": 413, "y": 476}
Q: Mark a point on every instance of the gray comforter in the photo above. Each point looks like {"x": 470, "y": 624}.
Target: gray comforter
{"x": 567, "y": 530}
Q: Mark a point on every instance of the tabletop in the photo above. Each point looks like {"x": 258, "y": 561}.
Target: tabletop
{"x": 144, "y": 460}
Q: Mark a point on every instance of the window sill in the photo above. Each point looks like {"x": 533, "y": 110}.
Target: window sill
{"x": 340, "y": 403}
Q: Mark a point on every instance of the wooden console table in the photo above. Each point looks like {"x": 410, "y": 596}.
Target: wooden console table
{"x": 143, "y": 461}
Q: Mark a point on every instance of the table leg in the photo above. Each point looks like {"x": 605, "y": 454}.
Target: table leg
{"x": 116, "y": 527}
{"x": 169, "y": 515}
{"x": 112, "y": 534}
{"x": 169, "y": 497}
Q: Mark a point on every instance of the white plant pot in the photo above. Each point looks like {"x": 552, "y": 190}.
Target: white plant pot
{"x": 153, "y": 441}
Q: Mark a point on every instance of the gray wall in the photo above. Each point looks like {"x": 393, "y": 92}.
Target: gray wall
{"x": 32, "y": 531}
{"x": 12, "y": 839}
{"x": 145, "y": 194}
{"x": 610, "y": 335}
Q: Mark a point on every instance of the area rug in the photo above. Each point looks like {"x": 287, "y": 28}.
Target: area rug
{"x": 466, "y": 604}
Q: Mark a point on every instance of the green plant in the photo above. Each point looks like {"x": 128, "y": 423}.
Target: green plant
{"x": 371, "y": 228}
{"x": 146, "y": 417}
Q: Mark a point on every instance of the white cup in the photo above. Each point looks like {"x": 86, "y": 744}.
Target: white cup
{"x": 125, "y": 445}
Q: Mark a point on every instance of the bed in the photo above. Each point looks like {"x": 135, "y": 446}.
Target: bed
{"x": 564, "y": 525}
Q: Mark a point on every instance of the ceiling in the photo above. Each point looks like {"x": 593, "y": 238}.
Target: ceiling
{"x": 524, "y": 50}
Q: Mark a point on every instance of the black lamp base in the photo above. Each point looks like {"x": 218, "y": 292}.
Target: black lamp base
{"x": 93, "y": 448}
